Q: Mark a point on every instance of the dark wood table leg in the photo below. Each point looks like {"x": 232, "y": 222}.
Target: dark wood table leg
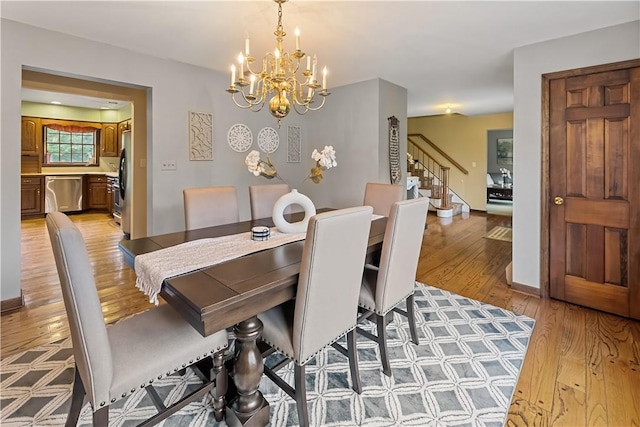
{"x": 249, "y": 408}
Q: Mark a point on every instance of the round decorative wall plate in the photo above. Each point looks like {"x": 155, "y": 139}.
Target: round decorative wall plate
{"x": 268, "y": 140}
{"x": 240, "y": 138}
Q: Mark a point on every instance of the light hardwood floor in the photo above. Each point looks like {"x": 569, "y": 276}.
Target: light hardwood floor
{"x": 582, "y": 367}
{"x": 43, "y": 318}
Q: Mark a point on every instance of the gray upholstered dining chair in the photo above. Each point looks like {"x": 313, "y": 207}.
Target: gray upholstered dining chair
{"x": 326, "y": 303}
{"x": 393, "y": 281}
{"x": 263, "y": 197}
{"x": 114, "y": 362}
{"x": 382, "y": 196}
{"x": 210, "y": 206}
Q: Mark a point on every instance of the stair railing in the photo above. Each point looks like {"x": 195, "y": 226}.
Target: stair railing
{"x": 434, "y": 172}
{"x": 437, "y": 149}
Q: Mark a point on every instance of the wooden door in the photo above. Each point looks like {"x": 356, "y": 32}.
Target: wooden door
{"x": 109, "y": 140}
{"x": 594, "y": 186}
{"x": 31, "y": 196}
{"x": 97, "y": 195}
{"x": 31, "y": 135}
{"x": 96, "y": 192}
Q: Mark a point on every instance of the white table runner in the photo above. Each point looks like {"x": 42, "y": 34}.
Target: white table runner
{"x": 155, "y": 267}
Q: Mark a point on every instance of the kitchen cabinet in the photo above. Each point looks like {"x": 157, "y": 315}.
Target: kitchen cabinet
{"x": 109, "y": 140}
{"x": 31, "y": 195}
{"x": 31, "y": 136}
{"x": 122, "y": 126}
{"x": 96, "y": 192}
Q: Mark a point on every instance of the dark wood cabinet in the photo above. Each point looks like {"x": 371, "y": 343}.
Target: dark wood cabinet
{"x": 109, "y": 140}
{"x": 31, "y": 138}
{"x": 122, "y": 126}
{"x": 96, "y": 192}
{"x": 31, "y": 195}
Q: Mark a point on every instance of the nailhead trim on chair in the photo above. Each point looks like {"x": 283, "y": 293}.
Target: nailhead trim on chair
{"x": 314, "y": 354}
{"x": 384, "y": 313}
{"x": 367, "y": 307}
{"x": 399, "y": 301}
{"x": 133, "y": 390}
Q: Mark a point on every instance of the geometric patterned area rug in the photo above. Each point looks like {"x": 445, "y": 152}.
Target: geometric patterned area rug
{"x": 463, "y": 373}
{"x": 500, "y": 233}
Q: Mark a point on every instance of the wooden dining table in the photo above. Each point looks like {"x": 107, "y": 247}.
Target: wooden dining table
{"x": 233, "y": 293}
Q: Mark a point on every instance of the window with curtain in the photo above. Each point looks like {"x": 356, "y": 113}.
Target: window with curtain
{"x": 70, "y": 145}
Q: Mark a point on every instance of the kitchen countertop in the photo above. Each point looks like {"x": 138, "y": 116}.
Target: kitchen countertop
{"x": 111, "y": 174}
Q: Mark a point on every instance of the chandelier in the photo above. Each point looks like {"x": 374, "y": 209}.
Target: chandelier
{"x": 280, "y": 78}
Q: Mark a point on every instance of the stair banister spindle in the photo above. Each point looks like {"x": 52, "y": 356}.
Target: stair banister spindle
{"x": 445, "y": 188}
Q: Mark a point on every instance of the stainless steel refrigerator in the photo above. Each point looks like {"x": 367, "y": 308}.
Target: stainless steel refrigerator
{"x": 125, "y": 179}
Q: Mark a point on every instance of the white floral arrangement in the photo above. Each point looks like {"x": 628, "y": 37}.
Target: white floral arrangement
{"x": 325, "y": 159}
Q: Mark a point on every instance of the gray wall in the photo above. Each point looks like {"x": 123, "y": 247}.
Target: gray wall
{"x": 613, "y": 44}
{"x": 351, "y": 127}
{"x": 356, "y": 125}
{"x": 393, "y": 101}
{"x": 349, "y": 122}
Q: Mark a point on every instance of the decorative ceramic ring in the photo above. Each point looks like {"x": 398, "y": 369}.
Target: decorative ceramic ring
{"x": 293, "y": 198}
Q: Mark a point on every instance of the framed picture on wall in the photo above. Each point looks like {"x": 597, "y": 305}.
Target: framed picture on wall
{"x": 505, "y": 151}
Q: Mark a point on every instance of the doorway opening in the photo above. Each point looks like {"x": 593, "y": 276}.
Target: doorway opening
{"x": 500, "y": 182}
{"x": 132, "y": 109}
{"x": 137, "y": 97}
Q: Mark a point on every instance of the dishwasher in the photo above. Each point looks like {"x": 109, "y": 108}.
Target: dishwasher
{"x": 63, "y": 193}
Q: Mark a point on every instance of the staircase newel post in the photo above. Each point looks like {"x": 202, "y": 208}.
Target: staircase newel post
{"x": 445, "y": 188}
{"x": 431, "y": 168}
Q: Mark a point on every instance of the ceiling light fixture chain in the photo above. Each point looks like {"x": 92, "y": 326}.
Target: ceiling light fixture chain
{"x": 279, "y": 76}
{"x": 280, "y": 29}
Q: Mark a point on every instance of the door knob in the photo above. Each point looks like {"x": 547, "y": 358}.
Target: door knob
{"x": 558, "y": 200}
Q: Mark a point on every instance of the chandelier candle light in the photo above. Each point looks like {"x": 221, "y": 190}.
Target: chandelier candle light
{"x": 279, "y": 76}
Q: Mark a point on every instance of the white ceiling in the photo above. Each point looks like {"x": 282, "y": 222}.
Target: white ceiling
{"x": 46, "y": 97}
{"x": 444, "y": 52}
